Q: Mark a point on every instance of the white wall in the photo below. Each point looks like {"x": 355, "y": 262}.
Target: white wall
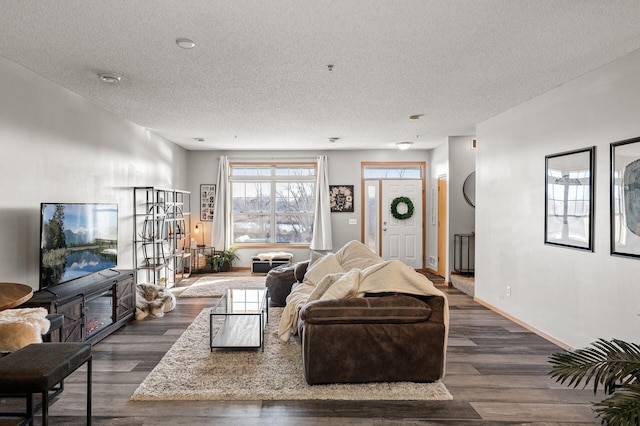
{"x": 462, "y": 162}
{"x": 344, "y": 169}
{"x": 59, "y": 147}
{"x": 573, "y": 296}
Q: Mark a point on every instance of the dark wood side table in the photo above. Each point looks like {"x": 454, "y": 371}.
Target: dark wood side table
{"x": 13, "y": 294}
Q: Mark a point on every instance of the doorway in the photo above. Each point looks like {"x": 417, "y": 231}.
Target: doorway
{"x": 390, "y": 237}
{"x": 442, "y": 226}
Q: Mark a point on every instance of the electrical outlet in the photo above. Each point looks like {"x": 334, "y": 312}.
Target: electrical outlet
{"x": 508, "y": 291}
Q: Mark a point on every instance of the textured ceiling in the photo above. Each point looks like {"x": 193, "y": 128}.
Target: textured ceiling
{"x": 258, "y": 77}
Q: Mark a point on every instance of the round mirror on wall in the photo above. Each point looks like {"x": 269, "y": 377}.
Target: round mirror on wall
{"x": 469, "y": 189}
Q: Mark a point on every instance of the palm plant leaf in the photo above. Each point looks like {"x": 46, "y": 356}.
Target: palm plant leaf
{"x": 621, "y": 408}
{"x": 605, "y": 362}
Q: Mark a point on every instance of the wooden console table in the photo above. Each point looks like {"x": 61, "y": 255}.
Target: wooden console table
{"x": 93, "y": 306}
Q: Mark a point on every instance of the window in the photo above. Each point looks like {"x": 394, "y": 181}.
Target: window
{"x": 392, "y": 171}
{"x": 272, "y": 203}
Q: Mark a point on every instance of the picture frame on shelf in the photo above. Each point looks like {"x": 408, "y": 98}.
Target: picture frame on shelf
{"x": 569, "y": 199}
{"x": 625, "y": 198}
{"x": 207, "y": 202}
{"x": 341, "y": 198}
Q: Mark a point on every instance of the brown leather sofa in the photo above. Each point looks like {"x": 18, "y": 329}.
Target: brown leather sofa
{"x": 378, "y": 338}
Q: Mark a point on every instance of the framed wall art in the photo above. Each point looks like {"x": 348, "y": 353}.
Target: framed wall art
{"x": 341, "y": 198}
{"x": 569, "y": 193}
{"x": 625, "y": 198}
{"x": 207, "y": 202}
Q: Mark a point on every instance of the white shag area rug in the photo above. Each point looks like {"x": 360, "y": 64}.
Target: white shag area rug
{"x": 216, "y": 286}
{"x": 190, "y": 371}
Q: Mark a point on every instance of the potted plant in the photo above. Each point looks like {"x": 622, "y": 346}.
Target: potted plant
{"x": 220, "y": 261}
{"x": 228, "y": 256}
{"x": 613, "y": 364}
{"x": 214, "y": 262}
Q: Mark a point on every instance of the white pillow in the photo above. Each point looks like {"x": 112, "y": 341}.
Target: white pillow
{"x": 315, "y": 256}
{"x": 326, "y": 265}
{"x": 345, "y": 287}
{"x": 324, "y": 284}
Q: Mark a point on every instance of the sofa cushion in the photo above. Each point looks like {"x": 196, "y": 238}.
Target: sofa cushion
{"x": 393, "y": 309}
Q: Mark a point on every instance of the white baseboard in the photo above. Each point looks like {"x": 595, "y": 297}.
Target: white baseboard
{"x": 523, "y": 324}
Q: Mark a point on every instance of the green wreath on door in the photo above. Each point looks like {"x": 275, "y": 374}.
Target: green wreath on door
{"x": 394, "y": 208}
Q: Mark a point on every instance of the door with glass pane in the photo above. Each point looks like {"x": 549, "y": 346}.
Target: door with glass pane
{"x": 385, "y": 235}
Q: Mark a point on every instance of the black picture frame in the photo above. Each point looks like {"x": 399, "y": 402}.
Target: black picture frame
{"x": 207, "y": 201}
{"x": 624, "y": 198}
{"x": 341, "y": 198}
{"x": 569, "y": 199}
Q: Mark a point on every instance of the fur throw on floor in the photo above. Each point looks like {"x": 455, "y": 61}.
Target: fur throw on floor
{"x": 153, "y": 301}
{"x": 21, "y": 327}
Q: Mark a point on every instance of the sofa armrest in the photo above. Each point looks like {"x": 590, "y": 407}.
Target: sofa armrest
{"x": 354, "y": 348}
{"x": 300, "y": 269}
{"x": 394, "y": 309}
{"x": 437, "y": 307}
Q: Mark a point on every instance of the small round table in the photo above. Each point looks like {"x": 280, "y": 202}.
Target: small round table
{"x": 13, "y": 294}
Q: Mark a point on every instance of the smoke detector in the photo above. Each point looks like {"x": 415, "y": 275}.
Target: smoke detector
{"x": 185, "y": 43}
{"x": 109, "y": 78}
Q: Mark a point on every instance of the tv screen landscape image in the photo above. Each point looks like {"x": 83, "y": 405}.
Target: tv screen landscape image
{"x": 76, "y": 239}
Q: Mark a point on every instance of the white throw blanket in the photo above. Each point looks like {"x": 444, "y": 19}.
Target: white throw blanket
{"x": 21, "y": 327}
{"x": 274, "y": 255}
{"x": 354, "y": 271}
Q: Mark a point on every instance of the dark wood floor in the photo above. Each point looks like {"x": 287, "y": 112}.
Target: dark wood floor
{"x": 496, "y": 372}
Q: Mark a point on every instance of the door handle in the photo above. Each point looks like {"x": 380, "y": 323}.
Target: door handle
{"x": 384, "y": 229}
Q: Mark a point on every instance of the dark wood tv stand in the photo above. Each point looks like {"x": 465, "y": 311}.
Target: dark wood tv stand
{"x": 93, "y": 306}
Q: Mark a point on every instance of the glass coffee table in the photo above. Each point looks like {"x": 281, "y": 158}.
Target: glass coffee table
{"x": 245, "y": 314}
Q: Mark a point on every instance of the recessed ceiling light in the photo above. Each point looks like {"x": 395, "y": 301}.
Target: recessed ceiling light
{"x": 109, "y": 78}
{"x": 185, "y": 43}
{"x": 415, "y": 116}
{"x": 333, "y": 140}
{"x": 199, "y": 139}
{"x": 404, "y": 145}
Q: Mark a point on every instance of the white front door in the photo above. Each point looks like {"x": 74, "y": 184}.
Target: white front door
{"x": 402, "y": 238}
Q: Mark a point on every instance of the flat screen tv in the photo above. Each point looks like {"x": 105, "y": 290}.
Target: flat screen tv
{"x": 76, "y": 239}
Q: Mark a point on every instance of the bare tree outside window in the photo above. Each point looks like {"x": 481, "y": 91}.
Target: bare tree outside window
{"x": 274, "y": 207}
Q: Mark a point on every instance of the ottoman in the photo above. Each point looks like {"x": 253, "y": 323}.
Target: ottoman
{"x": 263, "y": 262}
{"x": 38, "y": 368}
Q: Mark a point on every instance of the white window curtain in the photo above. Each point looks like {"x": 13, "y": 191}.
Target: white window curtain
{"x": 221, "y": 225}
{"x": 322, "y": 223}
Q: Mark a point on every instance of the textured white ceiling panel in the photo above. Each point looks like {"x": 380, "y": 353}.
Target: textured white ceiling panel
{"x": 258, "y": 77}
